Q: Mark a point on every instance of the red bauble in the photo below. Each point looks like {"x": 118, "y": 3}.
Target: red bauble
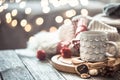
{"x": 41, "y": 55}
{"x": 61, "y": 45}
{"x": 66, "y": 52}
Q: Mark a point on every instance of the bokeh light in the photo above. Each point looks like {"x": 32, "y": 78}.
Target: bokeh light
{"x": 23, "y": 22}
{"x": 84, "y": 12}
{"x": 67, "y": 21}
{"x": 8, "y": 20}
{"x": 59, "y": 19}
{"x": 52, "y": 29}
{"x": 14, "y": 23}
{"x": 14, "y": 12}
{"x": 28, "y": 28}
{"x": 28, "y": 10}
{"x": 8, "y": 17}
{"x": 39, "y": 21}
{"x": 70, "y": 13}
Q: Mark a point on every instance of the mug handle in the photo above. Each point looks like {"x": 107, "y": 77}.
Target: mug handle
{"x": 116, "y": 49}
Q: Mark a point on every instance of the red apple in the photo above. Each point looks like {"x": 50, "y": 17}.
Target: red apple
{"x": 66, "y": 52}
{"x": 41, "y": 55}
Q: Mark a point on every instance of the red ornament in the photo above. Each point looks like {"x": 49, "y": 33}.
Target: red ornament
{"x": 66, "y": 52}
{"x": 41, "y": 55}
{"x": 61, "y": 45}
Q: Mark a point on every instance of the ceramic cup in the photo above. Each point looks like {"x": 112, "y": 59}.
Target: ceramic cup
{"x": 93, "y": 46}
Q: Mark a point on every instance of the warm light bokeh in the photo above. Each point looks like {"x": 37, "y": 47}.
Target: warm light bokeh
{"x": 28, "y": 10}
{"x": 70, "y": 13}
{"x": 14, "y": 12}
{"x": 14, "y": 23}
{"x": 52, "y": 29}
{"x": 67, "y": 21}
{"x": 28, "y": 28}
{"x": 84, "y": 12}
{"x": 39, "y": 21}
{"x": 23, "y": 22}
{"x": 59, "y": 19}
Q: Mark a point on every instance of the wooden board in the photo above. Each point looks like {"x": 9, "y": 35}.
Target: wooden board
{"x": 40, "y": 70}
{"x": 67, "y": 65}
{"x": 12, "y": 68}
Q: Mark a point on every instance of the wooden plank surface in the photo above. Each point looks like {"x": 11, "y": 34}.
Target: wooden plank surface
{"x": 40, "y": 70}
{"x": 11, "y": 67}
{"x": 30, "y": 68}
{"x": 43, "y": 70}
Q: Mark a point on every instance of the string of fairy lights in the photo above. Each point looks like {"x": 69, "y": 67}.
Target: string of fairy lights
{"x": 10, "y": 16}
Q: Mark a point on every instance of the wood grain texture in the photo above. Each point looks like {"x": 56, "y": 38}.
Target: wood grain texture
{"x": 68, "y": 67}
{"x": 40, "y": 70}
{"x": 9, "y": 60}
{"x": 12, "y": 68}
{"x": 18, "y": 73}
{"x": 69, "y": 76}
{"x": 58, "y": 63}
{"x": 72, "y": 76}
{"x": 43, "y": 70}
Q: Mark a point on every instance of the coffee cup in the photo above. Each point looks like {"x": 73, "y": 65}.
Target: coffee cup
{"x": 93, "y": 45}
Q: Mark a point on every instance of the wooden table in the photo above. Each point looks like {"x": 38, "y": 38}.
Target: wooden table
{"x": 23, "y": 65}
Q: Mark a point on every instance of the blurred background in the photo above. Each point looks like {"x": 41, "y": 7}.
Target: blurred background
{"x": 21, "y": 19}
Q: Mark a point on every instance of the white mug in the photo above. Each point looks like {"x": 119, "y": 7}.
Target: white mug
{"x": 93, "y": 46}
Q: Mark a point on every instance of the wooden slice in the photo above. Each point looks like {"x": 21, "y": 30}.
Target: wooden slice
{"x": 63, "y": 64}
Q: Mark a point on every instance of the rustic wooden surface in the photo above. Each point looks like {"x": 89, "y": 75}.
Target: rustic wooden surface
{"x": 23, "y": 65}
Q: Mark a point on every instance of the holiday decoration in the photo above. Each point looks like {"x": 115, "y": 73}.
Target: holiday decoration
{"x": 65, "y": 43}
{"x": 41, "y": 55}
{"x": 65, "y": 52}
